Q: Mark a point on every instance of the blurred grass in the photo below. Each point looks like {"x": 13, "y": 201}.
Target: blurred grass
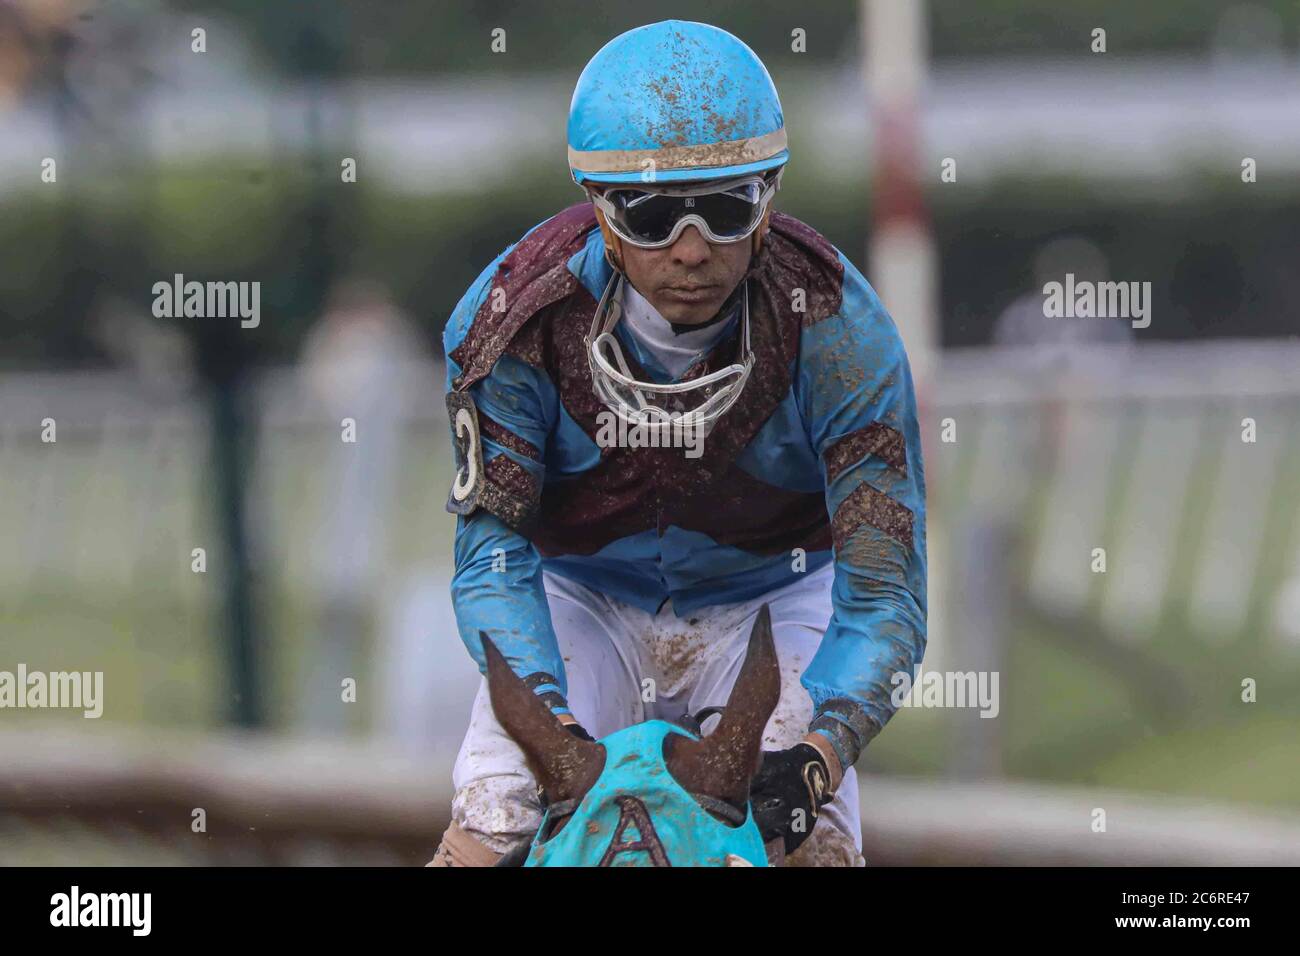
{"x": 155, "y": 636}
{"x": 1063, "y": 719}
{"x": 1066, "y": 721}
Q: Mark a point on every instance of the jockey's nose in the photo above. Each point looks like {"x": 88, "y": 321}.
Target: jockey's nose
{"x": 691, "y": 248}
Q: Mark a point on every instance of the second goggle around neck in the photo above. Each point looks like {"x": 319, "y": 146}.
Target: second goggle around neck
{"x": 723, "y": 211}
{"x": 696, "y": 403}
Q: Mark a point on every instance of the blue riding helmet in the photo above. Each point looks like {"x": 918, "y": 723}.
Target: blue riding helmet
{"x": 636, "y": 814}
{"x": 675, "y": 101}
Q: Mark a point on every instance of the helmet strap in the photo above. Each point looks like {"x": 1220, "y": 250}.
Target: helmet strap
{"x": 613, "y": 245}
{"x": 760, "y": 232}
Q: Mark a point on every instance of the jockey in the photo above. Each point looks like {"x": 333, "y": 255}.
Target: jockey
{"x": 672, "y": 405}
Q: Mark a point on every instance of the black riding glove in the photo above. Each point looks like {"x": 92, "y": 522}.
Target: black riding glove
{"x": 580, "y": 732}
{"x": 786, "y": 793}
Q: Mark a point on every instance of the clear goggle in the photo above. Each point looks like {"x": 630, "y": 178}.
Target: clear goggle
{"x": 696, "y": 404}
{"x": 723, "y": 210}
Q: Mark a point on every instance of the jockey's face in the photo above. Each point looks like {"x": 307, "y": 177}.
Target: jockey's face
{"x": 688, "y": 281}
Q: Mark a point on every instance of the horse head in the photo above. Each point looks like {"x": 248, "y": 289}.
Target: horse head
{"x": 653, "y": 794}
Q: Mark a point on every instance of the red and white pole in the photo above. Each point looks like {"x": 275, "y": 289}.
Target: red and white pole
{"x": 901, "y": 252}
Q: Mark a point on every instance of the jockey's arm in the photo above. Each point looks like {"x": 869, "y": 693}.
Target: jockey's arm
{"x": 855, "y": 393}
{"x": 497, "y": 585}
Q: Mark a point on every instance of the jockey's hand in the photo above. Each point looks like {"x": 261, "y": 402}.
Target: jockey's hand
{"x": 579, "y": 731}
{"x": 787, "y": 792}
{"x": 572, "y": 726}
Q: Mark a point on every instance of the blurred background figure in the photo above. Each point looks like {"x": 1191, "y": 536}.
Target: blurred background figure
{"x": 1024, "y": 323}
{"x": 355, "y": 365}
{"x": 1113, "y": 512}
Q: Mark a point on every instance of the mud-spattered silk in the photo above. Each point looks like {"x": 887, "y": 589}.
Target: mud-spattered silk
{"x": 636, "y": 814}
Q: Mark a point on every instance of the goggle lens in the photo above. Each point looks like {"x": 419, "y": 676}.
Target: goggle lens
{"x": 651, "y": 217}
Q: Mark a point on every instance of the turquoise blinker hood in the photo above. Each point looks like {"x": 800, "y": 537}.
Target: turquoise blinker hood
{"x": 636, "y": 814}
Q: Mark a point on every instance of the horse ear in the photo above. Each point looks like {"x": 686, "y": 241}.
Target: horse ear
{"x": 564, "y": 765}
{"x": 723, "y": 763}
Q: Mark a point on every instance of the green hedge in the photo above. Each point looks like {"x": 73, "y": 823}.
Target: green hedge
{"x": 1220, "y": 264}
{"x": 418, "y": 37}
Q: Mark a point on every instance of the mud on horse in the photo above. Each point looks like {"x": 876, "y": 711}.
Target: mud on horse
{"x": 653, "y": 794}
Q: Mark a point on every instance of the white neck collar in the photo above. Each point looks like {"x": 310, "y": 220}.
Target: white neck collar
{"x": 675, "y": 351}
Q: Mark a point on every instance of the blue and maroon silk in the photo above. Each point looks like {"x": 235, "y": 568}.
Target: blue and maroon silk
{"x": 819, "y": 461}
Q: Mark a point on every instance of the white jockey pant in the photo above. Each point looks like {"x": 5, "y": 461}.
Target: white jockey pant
{"x": 610, "y": 651}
